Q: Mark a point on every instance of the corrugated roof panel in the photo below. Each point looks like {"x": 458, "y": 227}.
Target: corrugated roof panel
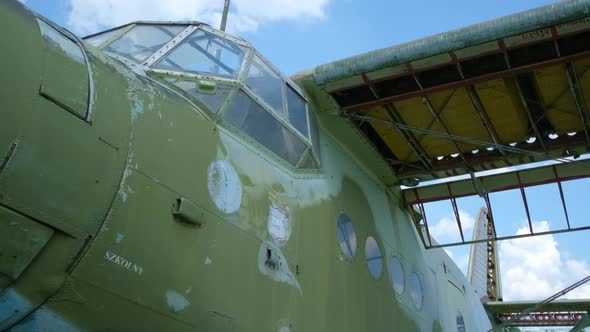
{"x": 501, "y": 102}
{"x": 560, "y": 106}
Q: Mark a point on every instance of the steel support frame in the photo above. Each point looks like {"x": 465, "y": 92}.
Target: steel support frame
{"x": 574, "y": 84}
{"x": 433, "y": 110}
{"x": 569, "y": 318}
{"x": 478, "y": 105}
{"x": 452, "y": 197}
{"x": 456, "y": 211}
{"x": 511, "y": 237}
{"x": 409, "y": 136}
{"x": 523, "y": 100}
{"x": 470, "y": 81}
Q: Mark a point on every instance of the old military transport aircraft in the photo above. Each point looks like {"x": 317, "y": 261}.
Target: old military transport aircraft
{"x": 164, "y": 176}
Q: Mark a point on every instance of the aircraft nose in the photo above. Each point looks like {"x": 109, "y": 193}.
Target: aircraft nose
{"x": 33, "y": 255}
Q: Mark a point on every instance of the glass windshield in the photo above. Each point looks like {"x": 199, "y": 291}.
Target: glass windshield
{"x": 266, "y": 84}
{"x": 205, "y": 53}
{"x": 143, "y": 40}
{"x": 100, "y": 39}
{"x": 251, "y": 118}
{"x": 297, "y": 111}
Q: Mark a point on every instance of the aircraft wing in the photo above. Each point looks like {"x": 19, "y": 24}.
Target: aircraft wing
{"x": 556, "y": 313}
{"x": 509, "y": 91}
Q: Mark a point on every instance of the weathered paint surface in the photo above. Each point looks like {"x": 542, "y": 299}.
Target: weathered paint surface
{"x": 118, "y": 251}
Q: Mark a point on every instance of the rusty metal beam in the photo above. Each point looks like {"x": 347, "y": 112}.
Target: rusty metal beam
{"x": 456, "y": 211}
{"x": 512, "y": 237}
{"x": 408, "y": 135}
{"x": 393, "y": 114}
{"x": 478, "y": 105}
{"x": 435, "y": 113}
{"x": 470, "y": 81}
{"x": 532, "y": 121}
{"x": 567, "y": 218}
{"x": 575, "y": 88}
{"x": 523, "y": 99}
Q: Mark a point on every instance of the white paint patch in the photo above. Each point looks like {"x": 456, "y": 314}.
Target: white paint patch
{"x": 13, "y": 307}
{"x": 224, "y": 186}
{"x": 136, "y": 108}
{"x": 119, "y": 238}
{"x": 188, "y": 290}
{"x": 208, "y": 260}
{"x": 176, "y": 302}
{"x": 123, "y": 196}
{"x": 278, "y": 225}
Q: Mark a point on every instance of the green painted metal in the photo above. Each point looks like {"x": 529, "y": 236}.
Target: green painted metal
{"x": 106, "y": 191}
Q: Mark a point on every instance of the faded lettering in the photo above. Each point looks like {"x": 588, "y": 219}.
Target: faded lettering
{"x": 124, "y": 263}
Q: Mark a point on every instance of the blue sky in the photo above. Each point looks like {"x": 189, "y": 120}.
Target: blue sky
{"x": 301, "y": 34}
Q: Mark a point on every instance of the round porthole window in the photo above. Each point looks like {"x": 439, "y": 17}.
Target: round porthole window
{"x": 396, "y": 273}
{"x": 416, "y": 290}
{"x": 374, "y": 258}
{"x": 346, "y": 235}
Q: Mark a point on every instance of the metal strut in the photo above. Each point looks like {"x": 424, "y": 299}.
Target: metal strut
{"x": 539, "y": 305}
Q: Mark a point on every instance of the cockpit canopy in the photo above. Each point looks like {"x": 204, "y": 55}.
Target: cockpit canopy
{"x": 225, "y": 76}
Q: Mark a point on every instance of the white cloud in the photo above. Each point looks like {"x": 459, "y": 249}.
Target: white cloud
{"x": 533, "y": 268}
{"x": 87, "y": 16}
{"x": 446, "y": 229}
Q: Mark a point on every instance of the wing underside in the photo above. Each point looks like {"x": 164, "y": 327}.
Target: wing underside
{"x": 506, "y": 92}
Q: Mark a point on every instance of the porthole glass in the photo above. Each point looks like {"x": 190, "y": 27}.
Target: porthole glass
{"x": 374, "y": 258}
{"x": 460, "y": 322}
{"x": 416, "y": 290}
{"x": 346, "y": 235}
{"x": 396, "y": 273}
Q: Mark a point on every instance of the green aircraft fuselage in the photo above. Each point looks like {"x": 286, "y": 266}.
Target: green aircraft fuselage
{"x": 127, "y": 204}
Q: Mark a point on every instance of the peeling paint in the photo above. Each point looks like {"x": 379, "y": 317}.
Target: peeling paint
{"x": 278, "y": 224}
{"x": 224, "y": 186}
{"x": 208, "y": 260}
{"x": 188, "y": 290}
{"x": 280, "y": 272}
{"x": 136, "y": 107}
{"x": 123, "y": 196}
{"x": 119, "y": 238}
{"x": 176, "y": 302}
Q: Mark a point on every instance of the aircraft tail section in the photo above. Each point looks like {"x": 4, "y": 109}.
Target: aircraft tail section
{"x": 483, "y": 270}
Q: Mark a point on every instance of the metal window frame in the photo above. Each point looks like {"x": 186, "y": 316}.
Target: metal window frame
{"x": 67, "y": 34}
{"x": 178, "y": 40}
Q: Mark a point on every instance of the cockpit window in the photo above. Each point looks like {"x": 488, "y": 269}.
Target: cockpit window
{"x": 297, "y": 111}
{"x": 102, "y": 38}
{"x": 255, "y": 121}
{"x": 224, "y": 76}
{"x": 204, "y": 53}
{"x": 143, "y": 40}
{"x": 264, "y": 82}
